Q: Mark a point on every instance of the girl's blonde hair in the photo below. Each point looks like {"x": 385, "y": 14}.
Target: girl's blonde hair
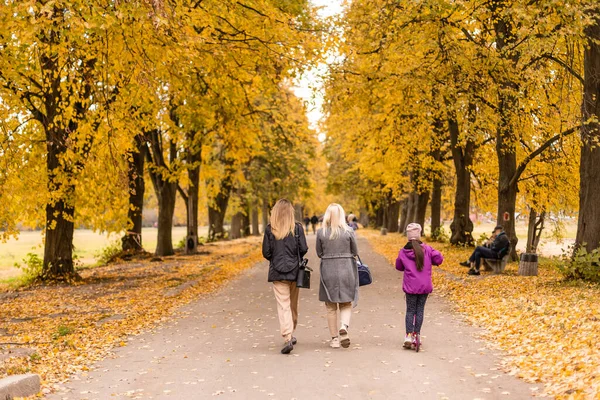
{"x": 334, "y": 221}
{"x": 282, "y": 219}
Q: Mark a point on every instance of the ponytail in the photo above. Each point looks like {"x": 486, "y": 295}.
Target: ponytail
{"x": 419, "y": 255}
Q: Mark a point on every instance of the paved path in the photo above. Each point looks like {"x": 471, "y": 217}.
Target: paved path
{"x": 227, "y": 346}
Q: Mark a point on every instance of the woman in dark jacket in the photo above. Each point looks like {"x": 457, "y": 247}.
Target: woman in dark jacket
{"x": 283, "y": 240}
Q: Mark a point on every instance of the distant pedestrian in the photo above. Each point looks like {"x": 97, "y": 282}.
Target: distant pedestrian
{"x": 336, "y": 246}
{"x": 283, "y": 240}
{"x": 352, "y": 222}
{"x": 306, "y": 222}
{"x": 314, "y": 220}
{"x": 416, "y": 260}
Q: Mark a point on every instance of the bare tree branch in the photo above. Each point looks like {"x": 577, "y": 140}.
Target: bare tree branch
{"x": 538, "y": 151}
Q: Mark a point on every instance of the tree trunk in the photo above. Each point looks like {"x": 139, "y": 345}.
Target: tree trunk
{"x": 60, "y": 216}
{"x": 246, "y": 223}
{"x": 60, "y": 128}
{"x": 421, "y": 209}
{"x": 193, "y": 159}
{"x": 132, "y": 241}
{"x": 255, "y": 230}
{"x": 166, "y": 195}
{"x": 216, "y": 229}
{"x": 436, "y": 207}
{"x": 379, "y": 217}
{"x": 240, "y": 222}
{"x": 393, "y": 214}
{"x": 506, "y": 140}
{"x": 403, "y": 215}
{"x": 507, "y": 194}
{"x": 528, "y": 266}
{"x": 384, "y": 218}
{"x": 413, "y": 205}
{"x": 166, "y": 191}
{"x": 363, "y": 217}
{"x": 58, "y": 243}
{"x": 461, "y": 226}
{"x": 534, "y": 230}
{"x": 192, "y": 202}
{"x": 298, "y": 214}
{"x": 588, "y": 227}
{"x": 265, "y": 214}
{"x": 440, "y": 137}
{"x": 216, "y": 213}
{"x": 237, "y": 225}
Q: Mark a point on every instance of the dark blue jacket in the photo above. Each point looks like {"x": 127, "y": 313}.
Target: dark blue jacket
{"x": 501, "y": 245}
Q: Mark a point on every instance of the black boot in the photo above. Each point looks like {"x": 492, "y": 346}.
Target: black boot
{"x": 465, "y": 264}
{"x": 287, "y": 349}
{"x": 474, "y": 271}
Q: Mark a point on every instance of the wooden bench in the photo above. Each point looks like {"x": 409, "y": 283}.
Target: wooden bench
{"x": 495, "y": 265}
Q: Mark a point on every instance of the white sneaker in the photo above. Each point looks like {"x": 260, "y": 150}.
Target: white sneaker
{"x": 408, "y": 341}
{"x": 335, "y": 343}
{"x": 344, "y": 339}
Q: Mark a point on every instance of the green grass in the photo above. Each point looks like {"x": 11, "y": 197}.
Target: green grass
{"x": 62, "y": 330}
{"x": 88, "y": 245}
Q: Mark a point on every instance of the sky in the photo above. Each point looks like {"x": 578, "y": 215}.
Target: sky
{"x": 309, "y": 85}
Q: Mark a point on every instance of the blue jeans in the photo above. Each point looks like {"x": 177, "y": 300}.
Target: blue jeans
{"x": 482, "y": 252}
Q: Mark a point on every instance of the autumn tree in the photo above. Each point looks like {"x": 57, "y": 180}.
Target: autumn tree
{"x": 96, "y": 95}
{"x": 588, "y": 228}
{"x": 499, "y": 76}
{"x": 60, "y": 78}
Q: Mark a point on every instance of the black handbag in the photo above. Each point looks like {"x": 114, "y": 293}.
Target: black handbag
{"x": 364, "y": 273}
{"x": 303, "y": 279}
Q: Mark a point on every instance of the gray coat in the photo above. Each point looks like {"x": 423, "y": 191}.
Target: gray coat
{"x": 339, "y": 271}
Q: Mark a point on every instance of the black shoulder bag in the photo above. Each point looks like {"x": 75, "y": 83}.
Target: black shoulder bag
{"x": 303, "y": 280}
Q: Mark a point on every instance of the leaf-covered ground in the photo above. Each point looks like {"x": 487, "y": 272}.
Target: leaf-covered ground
{"x": 547, "y": 329}
{"x": 66, "y": 328}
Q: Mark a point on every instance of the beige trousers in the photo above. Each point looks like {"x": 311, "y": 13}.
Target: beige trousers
{"x": 286, "y": 294}
{"x": 332, "y": 319}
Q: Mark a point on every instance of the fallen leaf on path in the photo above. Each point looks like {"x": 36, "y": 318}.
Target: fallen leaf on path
{"x": 62, "y": 321}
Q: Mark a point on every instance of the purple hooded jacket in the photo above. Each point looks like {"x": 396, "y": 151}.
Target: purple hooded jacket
{"x": 415, "y": 281}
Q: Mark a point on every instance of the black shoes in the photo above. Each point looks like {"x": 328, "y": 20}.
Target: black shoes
{"x": 287, "y": 349}
{"x": 289, "y": 346}
{"x": 465, "y": 264}
{"x": 474, "y": 271}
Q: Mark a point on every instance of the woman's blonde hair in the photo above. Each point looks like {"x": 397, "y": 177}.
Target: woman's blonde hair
{"x": 282, "y": 219}
{"x": 334, "y": 221}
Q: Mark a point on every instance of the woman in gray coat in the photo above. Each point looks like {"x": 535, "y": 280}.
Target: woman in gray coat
{"x": 336, "y": 246}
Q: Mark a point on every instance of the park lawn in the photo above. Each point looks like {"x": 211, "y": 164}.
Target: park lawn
{"x": 71, "y": 327}
{"x": 548, "y": 329}
{"x": 88, "y": 245}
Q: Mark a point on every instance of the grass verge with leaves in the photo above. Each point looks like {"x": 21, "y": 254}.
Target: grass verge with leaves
{"x": 31, "y": 268}
{"x": 71, "y": 327}
{"x": 547, "y": 328}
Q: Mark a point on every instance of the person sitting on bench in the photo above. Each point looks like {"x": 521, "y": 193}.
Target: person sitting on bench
{"x": 495, "y": 248}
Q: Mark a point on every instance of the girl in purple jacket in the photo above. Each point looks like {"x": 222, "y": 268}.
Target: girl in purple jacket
{"x": 416, "y": 259}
